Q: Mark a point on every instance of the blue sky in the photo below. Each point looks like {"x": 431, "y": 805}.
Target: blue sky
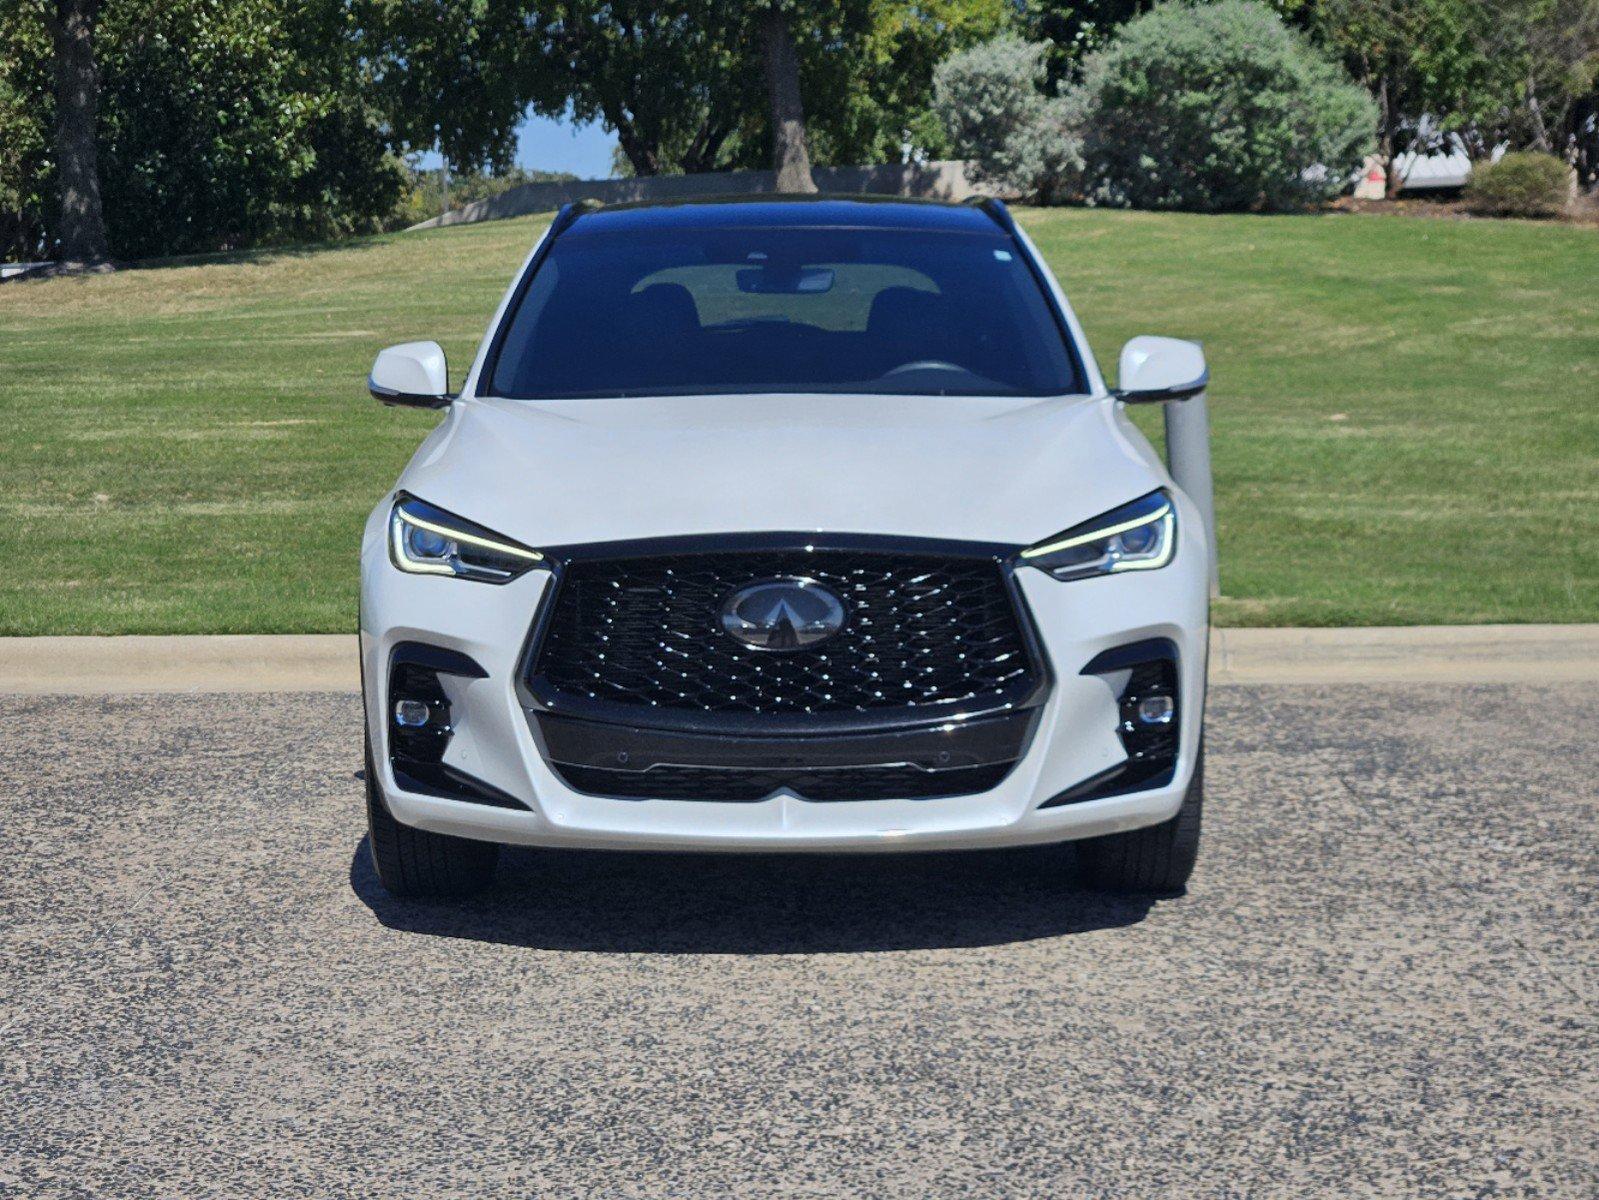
{"x": 548, "y": 145}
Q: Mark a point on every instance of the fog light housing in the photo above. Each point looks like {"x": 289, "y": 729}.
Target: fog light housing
{"x": 419, "y": 728}
{"x": 1147, "y": 721}
{"x": 421, "y": 725}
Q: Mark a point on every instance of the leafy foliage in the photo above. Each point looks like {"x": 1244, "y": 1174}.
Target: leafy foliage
{"x": 677, "y": 81}
{"x": 1215, "y": 108}
{"x": 1523, "y": 183}
{"x": 1072, "y": 29}
{"x": 680, "y": 82}
{"x": 991, "y": 101}
{"x": 223, "y": 123}
{"x": 226, "y": 123}
{"x": 1509, "y": 71}
{"x": 454, "y": 74}
{"x": 884, "y": 103}
{"x": 26, "y": 106}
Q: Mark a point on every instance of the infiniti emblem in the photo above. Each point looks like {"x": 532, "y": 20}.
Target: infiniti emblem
{"x": 782, "y": 614}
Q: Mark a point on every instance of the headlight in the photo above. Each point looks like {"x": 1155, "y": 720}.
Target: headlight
{"x": 424, "y": 540}
{"x": 1135, "y": 537}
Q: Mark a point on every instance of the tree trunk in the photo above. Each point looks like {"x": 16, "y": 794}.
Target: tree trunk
{"x": 1388, "y": 118}
{"x": 1540, "y": 131}
{"x": 77, "y": 159}
{"x": 642, "y": 155}
{"x": 707, "y": 144}
{"x": 790, "y": 159}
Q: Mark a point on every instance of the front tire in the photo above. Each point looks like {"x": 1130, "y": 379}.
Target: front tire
{"x": 415, "y": 864}
{"x": 1159, "y": 858}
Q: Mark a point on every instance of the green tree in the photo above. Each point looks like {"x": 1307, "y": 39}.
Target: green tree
{"x": 880, "y": 104}
{"x": 1218, "y": 107}
{"x": 1403, "y": 55}
{"x": 991, "y": 101}
{"x": 232, "y": 123}
{"x": 686, "y": 85}
{"x": 673, "y": 79}
{"x": 1510, "y": 71}
{"x": 221, "y": 123}
{"x": 1524, "y": 66}
{"x": 458, "y": 75}
{"x": 27, "y": 106}
{"x": 1074, "y": 28}
{"x": 697, "y": 85}
{"x": 866, "y": 71}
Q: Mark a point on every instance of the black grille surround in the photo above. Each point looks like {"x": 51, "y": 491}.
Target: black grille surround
{"x": 937, "y": 650}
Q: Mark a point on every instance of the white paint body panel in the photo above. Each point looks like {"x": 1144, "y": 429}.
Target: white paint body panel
{"x": 1160, "y": 364}
{"x": 412, "y": 369}
{"x": 554, "y": 472}
{"x": 551, "y": 473}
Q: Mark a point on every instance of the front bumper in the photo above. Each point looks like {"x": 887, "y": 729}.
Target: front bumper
{"x": 494, "y": 742}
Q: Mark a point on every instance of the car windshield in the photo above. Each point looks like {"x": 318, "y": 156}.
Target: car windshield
{"x": 696, "y": 310}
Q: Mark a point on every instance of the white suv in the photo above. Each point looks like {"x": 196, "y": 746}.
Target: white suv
{"x": 784, "y": 524}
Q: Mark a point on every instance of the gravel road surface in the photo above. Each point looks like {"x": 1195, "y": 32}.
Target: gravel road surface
{"x": 1382, "y": 982}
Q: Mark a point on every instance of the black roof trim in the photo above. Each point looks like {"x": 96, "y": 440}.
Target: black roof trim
{"x": 571, "y": 212}
{"x": 759, "y": 210}
{"x": 777, "y": 198}
{"x": 996, "y": 210}
{"x": 568, "y": 214}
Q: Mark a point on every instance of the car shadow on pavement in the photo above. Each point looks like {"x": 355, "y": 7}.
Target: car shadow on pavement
{"x": 762, "y": 904}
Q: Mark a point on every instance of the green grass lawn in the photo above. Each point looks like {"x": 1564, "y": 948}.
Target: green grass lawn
{"x": 1406, "y": 415}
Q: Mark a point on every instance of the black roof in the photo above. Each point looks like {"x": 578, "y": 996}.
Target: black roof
{"x": 808, "y": 212}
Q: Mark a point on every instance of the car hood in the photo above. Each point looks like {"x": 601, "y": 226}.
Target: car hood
{"x": 558, "y": 472}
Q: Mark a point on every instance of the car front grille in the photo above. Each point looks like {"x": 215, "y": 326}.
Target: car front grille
{"x": 926, "y": 634}
{"x": 927, "y": 690}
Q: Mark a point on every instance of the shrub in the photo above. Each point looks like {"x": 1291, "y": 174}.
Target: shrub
{"x": 990, "y": 99}
{"x": 1219, "y": 107}
{"x": 1523, "y": 183}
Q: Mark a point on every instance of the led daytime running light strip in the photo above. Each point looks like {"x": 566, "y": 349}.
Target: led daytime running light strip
{"x": 456, "y": 535}
{"x": 1098, "y": 535}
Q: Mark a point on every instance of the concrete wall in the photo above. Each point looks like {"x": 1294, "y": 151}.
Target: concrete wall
{"x": 935, "y": 181}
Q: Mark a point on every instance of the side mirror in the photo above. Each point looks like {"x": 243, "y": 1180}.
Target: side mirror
{"x": 1153, "y": 369}
{"x": 413, "y": 374}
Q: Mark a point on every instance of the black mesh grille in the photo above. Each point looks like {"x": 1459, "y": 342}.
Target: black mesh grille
{"x": 926, "y": 634}
{"x": 845, "y": 783}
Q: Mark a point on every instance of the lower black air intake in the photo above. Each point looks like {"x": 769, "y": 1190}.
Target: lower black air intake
{"x": 1148, "y": 722}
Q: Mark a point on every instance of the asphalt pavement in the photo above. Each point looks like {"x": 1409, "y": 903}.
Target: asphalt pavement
{"x": 1381, "y": 982}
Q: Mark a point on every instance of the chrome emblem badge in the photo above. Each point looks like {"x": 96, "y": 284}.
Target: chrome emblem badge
{"x": 782, "y": 614}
